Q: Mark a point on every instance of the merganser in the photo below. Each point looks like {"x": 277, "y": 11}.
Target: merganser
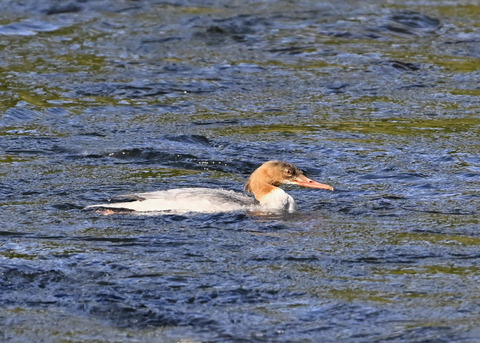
{"x": 263, "y": 183}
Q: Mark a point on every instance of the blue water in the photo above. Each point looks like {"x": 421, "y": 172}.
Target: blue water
{"x": 105, "y": 98}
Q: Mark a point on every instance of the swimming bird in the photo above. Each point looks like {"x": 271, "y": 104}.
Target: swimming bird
{"x": 263, "y": 183}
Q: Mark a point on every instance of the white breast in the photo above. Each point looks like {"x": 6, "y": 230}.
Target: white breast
{"x": 278, "y": 200}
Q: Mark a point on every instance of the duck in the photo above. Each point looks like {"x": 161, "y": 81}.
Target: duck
{"x": 263, "y": 183}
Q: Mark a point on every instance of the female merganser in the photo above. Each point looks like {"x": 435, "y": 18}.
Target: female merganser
{"x": 263, "y": 183}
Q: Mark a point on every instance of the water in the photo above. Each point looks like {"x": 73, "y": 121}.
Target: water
{"x": 104, "y": 98}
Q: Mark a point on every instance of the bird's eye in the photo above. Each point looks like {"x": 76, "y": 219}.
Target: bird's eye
{"x": 288, "y": 172}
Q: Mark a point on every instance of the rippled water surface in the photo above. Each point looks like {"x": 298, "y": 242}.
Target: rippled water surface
{"x": 379, "y": 99}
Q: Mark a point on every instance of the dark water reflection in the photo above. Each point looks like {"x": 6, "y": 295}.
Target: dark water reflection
{"x": 108, "y": 97}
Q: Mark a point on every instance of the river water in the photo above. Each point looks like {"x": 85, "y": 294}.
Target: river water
{"x": 379, "y": 99}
